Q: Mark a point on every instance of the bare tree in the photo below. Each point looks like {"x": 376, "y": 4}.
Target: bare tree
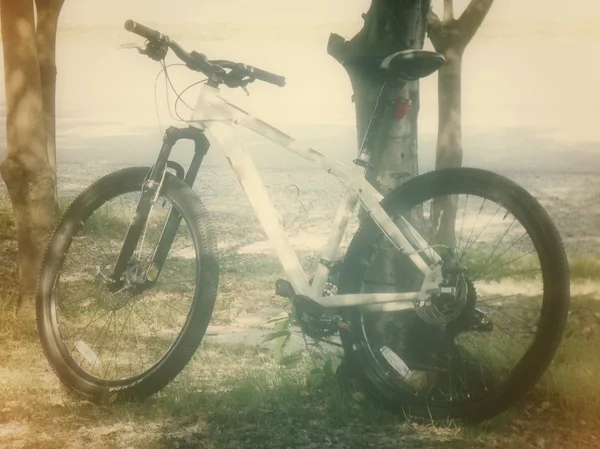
{"x": 29, "y": 167}
{"x": 450, "y": 37}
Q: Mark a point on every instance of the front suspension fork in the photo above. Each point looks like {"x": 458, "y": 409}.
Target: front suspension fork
{"x": 150, "y": 191}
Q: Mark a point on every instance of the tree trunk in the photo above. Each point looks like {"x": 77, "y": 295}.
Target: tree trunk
{"x": 48, "y": 12}
{"x": 450, "y": 37}
{"x": 390, "y": 26}
{"x": 26, "y": 169}
{"x": 449, "y": 149}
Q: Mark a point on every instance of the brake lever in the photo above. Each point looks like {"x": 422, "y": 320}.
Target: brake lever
{"x": 130, "y": 46}
{"x": 238, "y": 77}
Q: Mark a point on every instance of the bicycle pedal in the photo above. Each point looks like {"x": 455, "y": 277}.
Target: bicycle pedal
{"x": 284, "y": 288}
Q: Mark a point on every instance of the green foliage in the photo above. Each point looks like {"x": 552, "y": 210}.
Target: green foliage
{"x": 291, "y": 360}
{"x": 322, "y": 378}
{"x": 281, "y": 336}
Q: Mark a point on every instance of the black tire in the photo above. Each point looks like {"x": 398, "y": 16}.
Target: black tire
{"x": 206, "y": 272}
{"x": 555, "y": 300}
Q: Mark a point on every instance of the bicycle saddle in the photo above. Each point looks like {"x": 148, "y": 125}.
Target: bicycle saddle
{"x": 410, "y": 65}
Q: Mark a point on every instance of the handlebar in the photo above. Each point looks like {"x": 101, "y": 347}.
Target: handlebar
{"x": 267, "y": 77}
{"x": 142, "y": 30}
{"x": 199, "y": 63}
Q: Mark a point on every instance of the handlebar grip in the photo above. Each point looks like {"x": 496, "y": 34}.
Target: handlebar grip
{"x": 267, "y": 77}
{"x": 142, "y": 30}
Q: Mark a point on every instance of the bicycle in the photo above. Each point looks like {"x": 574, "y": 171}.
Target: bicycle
{"x": 414, "y": 329}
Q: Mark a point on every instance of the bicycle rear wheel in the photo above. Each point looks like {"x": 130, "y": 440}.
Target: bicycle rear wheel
{"x": 109, "y": 343}
{"x": 474, "y": 353}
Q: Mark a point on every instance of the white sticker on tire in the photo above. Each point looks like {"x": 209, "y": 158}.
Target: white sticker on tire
{"x": 87, "y": 353}
{"x": 395, "y": 361}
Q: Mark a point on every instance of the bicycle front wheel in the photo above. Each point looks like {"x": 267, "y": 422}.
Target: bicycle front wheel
{"x": 109, "y": 340}
{"x": 474, "y": 352}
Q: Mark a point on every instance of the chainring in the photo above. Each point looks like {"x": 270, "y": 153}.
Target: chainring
{"x": 314, "y": 327}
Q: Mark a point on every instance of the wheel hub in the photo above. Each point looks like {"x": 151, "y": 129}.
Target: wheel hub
{"x": 445, "y": 307}
{"x": 130, "y": 285}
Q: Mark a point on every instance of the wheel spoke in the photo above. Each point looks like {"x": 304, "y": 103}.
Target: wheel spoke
{"x": 130, "y": 330}
{"x": 468, "y": 247}
{"x": 499, "y": 313}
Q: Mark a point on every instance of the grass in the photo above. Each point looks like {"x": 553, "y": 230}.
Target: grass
{"x": 564, "y": 408}
{"x": 237, "y": 396}
{"x": 584, "y": 268}
{"x": 514, "y": 265}
{"x": 226, "y": 398}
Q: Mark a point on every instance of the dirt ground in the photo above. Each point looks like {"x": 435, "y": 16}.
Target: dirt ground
{"x": 36, "y": 412}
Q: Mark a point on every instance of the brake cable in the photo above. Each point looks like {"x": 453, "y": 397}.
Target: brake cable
{"x": 165, "y": 67}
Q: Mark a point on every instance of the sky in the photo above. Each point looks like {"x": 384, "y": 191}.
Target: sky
{"x": 107, "y": 12}
{"x": 545, "y": 85}
{"x": 514, "y": 82}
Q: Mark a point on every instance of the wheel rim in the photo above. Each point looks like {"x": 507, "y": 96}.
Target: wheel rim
{"x": 116, "y": 338}
{"x": 467, "y": 374}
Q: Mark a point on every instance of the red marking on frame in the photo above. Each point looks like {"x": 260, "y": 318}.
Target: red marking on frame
{"x": 402, "y": 108}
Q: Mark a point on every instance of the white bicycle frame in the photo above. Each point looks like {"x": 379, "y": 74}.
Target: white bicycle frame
{"x": 216, "y": 115}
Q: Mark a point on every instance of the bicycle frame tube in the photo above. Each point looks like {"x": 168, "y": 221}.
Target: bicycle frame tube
{"x": 218, "y": 116}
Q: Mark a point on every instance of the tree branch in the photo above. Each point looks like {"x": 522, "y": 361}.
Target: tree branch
{"x": 472, "y": 18}
{"x": 337, "y": 47}
{"x": 433, "y": 19}
{"x": 448, "y": 10}
{"x": 443, "y": 35}
{"x": 389, "y": 26}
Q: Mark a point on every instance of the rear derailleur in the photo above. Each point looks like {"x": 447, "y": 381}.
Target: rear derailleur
{"x": 455, "y": 306}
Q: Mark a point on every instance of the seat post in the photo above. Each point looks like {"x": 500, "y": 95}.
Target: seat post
{"x": 364, "y": 153}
